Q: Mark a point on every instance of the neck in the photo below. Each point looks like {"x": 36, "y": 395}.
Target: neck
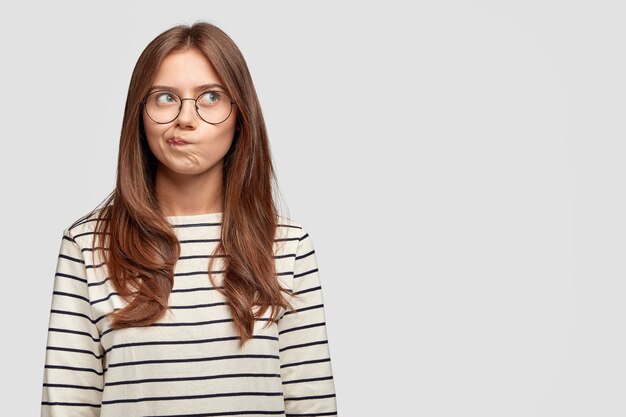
{"x": 185, "y": 194}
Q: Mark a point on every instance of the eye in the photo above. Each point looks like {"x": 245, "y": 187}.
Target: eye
{"x": 209, "y": 98}
{"x": 164, "y": 97}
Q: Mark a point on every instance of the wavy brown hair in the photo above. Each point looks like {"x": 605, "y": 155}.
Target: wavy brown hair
{"x": 141, "y": 246}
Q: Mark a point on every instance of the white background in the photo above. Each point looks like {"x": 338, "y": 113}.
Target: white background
{"x": 458, "y": 164}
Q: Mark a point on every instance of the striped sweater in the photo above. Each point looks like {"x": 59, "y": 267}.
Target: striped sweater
{"x": 188, "y": 363}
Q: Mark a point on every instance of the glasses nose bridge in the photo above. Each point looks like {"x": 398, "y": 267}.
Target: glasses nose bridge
{"x": 195, "y": 105}
{"x": 195, "y": 102}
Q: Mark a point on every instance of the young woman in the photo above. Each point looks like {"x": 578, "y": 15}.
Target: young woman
{"x": 185, "y": 293}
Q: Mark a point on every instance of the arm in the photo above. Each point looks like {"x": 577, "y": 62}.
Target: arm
{"x": 73, "y": 373}
{"x": 306, "y": 372}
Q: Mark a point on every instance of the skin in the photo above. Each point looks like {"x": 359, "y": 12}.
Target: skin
{"x": 189, "y": 177}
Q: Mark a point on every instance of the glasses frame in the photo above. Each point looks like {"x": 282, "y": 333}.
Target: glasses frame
{"x": 195, "y": 103}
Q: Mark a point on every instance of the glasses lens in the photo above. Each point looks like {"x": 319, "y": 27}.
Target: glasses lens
{"x": 214, "y": 106}
{"x": 162, "y": 106}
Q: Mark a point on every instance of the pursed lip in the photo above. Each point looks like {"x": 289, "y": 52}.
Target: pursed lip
{"x": 177, "y": 140}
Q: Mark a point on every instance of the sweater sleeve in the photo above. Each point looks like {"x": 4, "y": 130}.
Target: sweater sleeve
{"x": 73, "y": 373}
{"x": 305, "y": 365}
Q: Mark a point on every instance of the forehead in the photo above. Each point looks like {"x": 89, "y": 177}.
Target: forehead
{"x": 186, "y": 70}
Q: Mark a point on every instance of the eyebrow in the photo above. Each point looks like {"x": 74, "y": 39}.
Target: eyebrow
{"x": 200, "y": 87}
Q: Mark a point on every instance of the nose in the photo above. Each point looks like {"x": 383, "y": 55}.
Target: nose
{"x": 188, "y": 114}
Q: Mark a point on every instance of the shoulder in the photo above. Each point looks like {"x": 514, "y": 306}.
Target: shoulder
{"x": 83, "y": 226}
{"x": 290, "y": 227}
{"x": 295, "y": 233}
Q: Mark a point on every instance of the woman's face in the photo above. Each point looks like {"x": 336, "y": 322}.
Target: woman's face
{"x": 183, "y": 72}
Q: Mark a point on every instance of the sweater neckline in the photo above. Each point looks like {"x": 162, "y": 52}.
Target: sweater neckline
{"x": 195, "y": 217}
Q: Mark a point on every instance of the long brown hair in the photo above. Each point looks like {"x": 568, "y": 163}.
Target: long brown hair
{"x": 142, "y": 246}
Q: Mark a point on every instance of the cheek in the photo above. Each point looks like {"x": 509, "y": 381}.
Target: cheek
{"x": 149, "y": 127}
{"x": 216, "y": 145}
{"x": 154, "y": 134}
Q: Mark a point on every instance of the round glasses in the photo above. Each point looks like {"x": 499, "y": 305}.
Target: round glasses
{"x": 164, "y": 106}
